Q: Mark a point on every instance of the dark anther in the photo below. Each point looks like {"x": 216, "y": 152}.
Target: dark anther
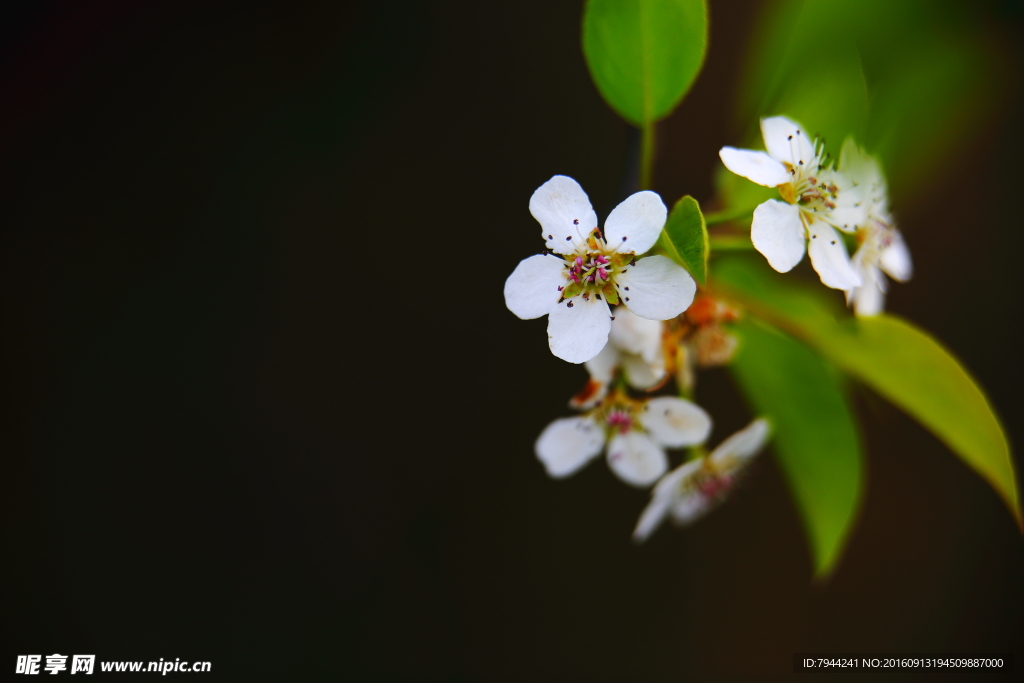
{"x": 623, "y": 239}
{"x": 790, "y": 137}
{"x": 568, "y": 304}
{"x": 814, "y": 237}
{"x": 627, "y": 298}
{"x": 575, "y": 221}
{"x": 551, "y": 237}
{"x": 568, "y": 238}
{"x": 833, "y": 241}
{"x": 627, "y": 289}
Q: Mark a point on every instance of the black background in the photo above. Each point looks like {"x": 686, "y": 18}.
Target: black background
{"x": 264, "y": 405}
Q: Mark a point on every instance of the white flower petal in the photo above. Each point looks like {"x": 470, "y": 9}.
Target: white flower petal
{"x": 675, "y": 481}
{"x": 743, "y": 445}
{"x": 895, "y": 258}
{"x": 674, "y": 494}
{"x": 861, "y": 167}
{"x": 755, "y": 166}
{"x": 675, "y": 422}
{"x": 851, "y": 204}
{"x": 854, "y": 161}
{"x": 636, "y": 459}
{"x": 651, "y": 518}
{"x": 532, "y": 288}
{"x": 635, "y": 224}
{"x": 640, "y": 374}
{"x": 869, "y": 298}
{"x": 691, "y": 506}
{"x": 786, "y": 141}
{"x": 602, "y": 366}
{"x": 563, "y": 210}
{"x": 568, "y": 444}
{"x": 778, "y": 234}
{"x": 578, "y": 328}
{"x": 829, "y": 257}
{"x": 636, "y": 335}
{"x": 848, "y": 218}
{"x": 656, "y": 288}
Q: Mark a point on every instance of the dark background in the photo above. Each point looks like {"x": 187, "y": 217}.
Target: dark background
{"x": 264, "y": 405}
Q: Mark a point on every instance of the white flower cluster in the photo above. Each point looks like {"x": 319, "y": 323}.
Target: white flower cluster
{"x": 821, "y": 202}
{"x": 621, "y": 314}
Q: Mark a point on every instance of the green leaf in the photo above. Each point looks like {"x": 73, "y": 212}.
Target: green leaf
{"x": 644, "y": 54}
{"x": 898, "y": 360}
{"x": 814, "y": 433}
{"x": 689, "y": 237}
{"x": 911, "y": 369}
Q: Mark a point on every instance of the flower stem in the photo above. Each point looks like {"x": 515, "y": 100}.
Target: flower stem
{"x": 726, "y": 216}
{"x": 729, "y": 243}
{"x": 695, "y": 453}
{"x": 646, "y": 155}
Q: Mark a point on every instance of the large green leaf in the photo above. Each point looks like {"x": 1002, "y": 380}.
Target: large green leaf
{"x": 898, "y": 360}
{"x": 815, "y": 434}
{"x": 905, "y": 77}
{"x": 644, "y": 54}
{"x": 688, "y": 237}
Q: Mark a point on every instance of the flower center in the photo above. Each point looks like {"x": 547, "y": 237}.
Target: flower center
{"x": 592, "y": 269}
{"x": 620, "y": 420}
{"x": 618, "y": 413}
{"x": 714, "y": 485}
{"x": 813, "y": 194}
{"x": 808, "y": 188}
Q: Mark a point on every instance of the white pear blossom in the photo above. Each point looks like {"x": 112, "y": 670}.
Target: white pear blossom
{"x": 590, "y": 270}
{"x": 636, "y": 346}
{"x": 819, "y": 200}
{"x": 882, "y": 250}
{"x": 633, "y": 433}
{"x": 689, "y": 491}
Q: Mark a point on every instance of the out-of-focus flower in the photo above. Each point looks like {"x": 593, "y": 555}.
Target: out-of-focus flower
{"x": 595, "y": 269}
{"x": 699, "y": 338}
{"x": 689, "y": 491}
{"x": 636, "y": 433}
{"x": 881, "y": 249}
{"x": 635, "y": 346}
{"x": 818, "y": 201}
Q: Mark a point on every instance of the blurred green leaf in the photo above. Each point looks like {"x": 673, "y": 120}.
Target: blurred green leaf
{"x": 814, "y": 433}
{"x": 899, "y": 361}
{"x": 924, "y": 107}
{"x": 911, "y": 369}
{"x": 904, "y": 78}
{"x": 644, "y": 54}
{"x": 689, "y": 237}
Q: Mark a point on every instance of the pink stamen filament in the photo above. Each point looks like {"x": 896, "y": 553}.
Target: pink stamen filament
{"x": 620, "y": 421}
{"x": 714, "y": 486}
